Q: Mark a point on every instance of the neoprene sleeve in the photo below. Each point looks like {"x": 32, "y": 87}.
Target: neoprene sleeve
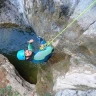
{"x": 30, "y": 46}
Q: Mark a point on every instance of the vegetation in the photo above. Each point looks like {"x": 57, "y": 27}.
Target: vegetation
{"x": 44, "y": 85}
{"x": 16, "y": 26}
{"x": 8, "y": 91}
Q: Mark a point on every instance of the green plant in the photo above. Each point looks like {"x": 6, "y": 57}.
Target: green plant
{"x": 8, "y": 91}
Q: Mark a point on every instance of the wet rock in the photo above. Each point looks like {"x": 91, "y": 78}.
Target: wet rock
{"x": 78, "y": 77}
{"x": 67, "y": 92}
{"x": 51, "y": 15}
{"x": 12, "y": 11}
{"x": 88, "y": 18}
{"x": 10, "y": 77}
{"x": 78, "y": 80}
{"x": 48, "y": 18}
{"x": 78, "y": 41}
{"x": 46, "y": 13}
{"x": 88, "y": 39}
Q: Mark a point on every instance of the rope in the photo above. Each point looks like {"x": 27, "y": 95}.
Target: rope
{"x": 73, "y": 21}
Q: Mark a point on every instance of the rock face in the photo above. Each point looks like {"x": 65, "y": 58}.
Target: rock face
{"x": 10, "y": 77}
{"x": 12, "y": 11}
{"x": 76, "y": 93}
{"x": 81, "y": 77}
{"x": 50, "y": 17}
{"x": 75, "y": 73}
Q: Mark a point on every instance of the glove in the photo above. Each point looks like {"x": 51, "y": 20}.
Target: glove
{"x": 48, "y": 43}
{"x": 41, "y": 47}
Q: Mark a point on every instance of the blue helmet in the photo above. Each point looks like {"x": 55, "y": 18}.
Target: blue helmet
{"x": 21, "y": 55}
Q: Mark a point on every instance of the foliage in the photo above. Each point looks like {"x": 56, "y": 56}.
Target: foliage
{"x": 8, "y": 91}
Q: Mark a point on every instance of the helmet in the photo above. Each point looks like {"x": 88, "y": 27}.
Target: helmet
{"x": 21, "y": 55}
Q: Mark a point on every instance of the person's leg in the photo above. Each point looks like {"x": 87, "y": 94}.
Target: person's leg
{"x": 41, "y": 41}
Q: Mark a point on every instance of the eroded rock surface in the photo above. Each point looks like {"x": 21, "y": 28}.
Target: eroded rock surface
{"x": 12, "y": 11}
{"x": 78, "y": 42}
{"x": 10, "y": 77}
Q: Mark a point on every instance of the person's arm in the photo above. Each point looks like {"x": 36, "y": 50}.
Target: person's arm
{"x": 30, "y": 46}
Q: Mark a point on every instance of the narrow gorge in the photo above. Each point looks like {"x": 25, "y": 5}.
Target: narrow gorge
{"x": 71, "y": 71}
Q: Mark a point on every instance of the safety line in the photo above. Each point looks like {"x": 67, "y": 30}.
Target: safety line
{"x": 73, "y": 21}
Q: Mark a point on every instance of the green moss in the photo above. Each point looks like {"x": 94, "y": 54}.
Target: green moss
{"x": 76, "y": 61}
{"x": 26, "y": 69}
{"x": 44, "y": 84}
{"x": 8, "y": 91}
{"x": 8, "y": 25}
{"x": 14, "y": 25}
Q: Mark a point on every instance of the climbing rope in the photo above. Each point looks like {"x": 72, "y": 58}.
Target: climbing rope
{"x": 48, "y": 43}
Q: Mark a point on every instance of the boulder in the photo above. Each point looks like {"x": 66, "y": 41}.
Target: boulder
{"x": 9, "y": 76}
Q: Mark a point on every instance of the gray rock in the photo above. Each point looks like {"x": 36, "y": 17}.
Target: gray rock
{"x": 67, "y": 92}
{"x": 12, "y": 11}
{"x": 76, "y": 48}
{"x": 10, "y": 77}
